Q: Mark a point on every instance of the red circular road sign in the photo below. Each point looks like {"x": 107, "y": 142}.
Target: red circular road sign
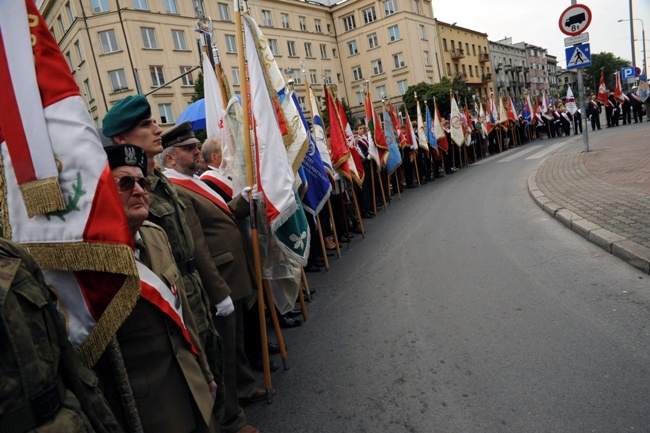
{"x": 575, "y": 19}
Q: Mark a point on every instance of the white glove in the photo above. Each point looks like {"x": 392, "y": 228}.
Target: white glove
{"x": 225, "y": 307}
{"x": 248, "y": 189}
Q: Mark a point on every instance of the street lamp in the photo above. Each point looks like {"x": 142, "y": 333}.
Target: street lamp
{"x": 643, "y": 38}
{"x": 436, "y": 47}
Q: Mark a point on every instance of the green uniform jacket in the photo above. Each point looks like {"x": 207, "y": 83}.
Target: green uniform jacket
{"x": 169, "y": 383}
{"x": 35, "y": 352}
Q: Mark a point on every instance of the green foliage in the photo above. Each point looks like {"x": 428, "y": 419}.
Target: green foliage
{"x": 198, "y": 88}
{"x": 607, "y": 62}
{"x": 440, "y": 92}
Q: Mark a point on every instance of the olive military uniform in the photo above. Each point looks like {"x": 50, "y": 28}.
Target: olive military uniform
{"x": 43, "y": 385}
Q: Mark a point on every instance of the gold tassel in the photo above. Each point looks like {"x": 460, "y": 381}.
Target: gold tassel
{"x": 43, "y": 196}
{"x": 4, "y": 212}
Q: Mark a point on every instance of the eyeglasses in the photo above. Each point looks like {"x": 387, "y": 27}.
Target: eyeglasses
{"x": 127, "y": 183}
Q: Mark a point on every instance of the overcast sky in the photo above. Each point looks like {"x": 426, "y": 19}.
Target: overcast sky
{"x": 536, "y": 22}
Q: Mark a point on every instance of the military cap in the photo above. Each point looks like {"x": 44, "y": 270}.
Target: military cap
{"x": 127, "y": 155}
{"x": 125, "y": 115}
{"x": 179, "y": 135}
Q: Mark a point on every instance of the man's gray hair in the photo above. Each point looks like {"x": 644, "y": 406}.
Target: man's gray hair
{"x": 210, "y": 146}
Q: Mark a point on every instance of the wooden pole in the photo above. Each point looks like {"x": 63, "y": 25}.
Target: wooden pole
{"x": 322, "y": 242}
{"x": 248, "y": 151}
{"x": 336, "y": 238}
{"x": 356, "y": 206}
{"x": 381, "y": 188}
{"x": 133, "y": 422}
{"x": 276, "y": 327}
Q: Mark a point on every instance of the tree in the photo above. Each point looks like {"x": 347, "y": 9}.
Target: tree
{"x": 199, "y": 93}
{"x": 607, "y": 62}
{"x": 440, "y": 91}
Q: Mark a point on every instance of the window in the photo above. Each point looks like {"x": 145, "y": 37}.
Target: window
{"x": 68, "y": 10}
{"x": 157, "y": 75}
{"x": 381, "y": 91}
{"x": 349, "y": 23}
{"x": 423, "y": 32}
{"x": 303, "y": 23}
{"x": 179, "y": 40}
{"x": 328, "y": 76}
{"x": 80, "y": 54}
{"x": 444, "y": 44}
{"x": 198, "y": 7}
{"x": 416, "y": 6}
{"x": 448, "y": 69}
{"x": 141, "y": 5}
{"x": 323, "y": 51}
{"x": 231, "y": 44}
{"x": 88, "y": 90}
{"x": 402, "y": 86}
{"x": 359, "y": 98}
{"x": 235, "y": 76}
{"x": 187, "y": 80}
{"x": 285, "y": 21}
{"x": 390, "y": 7}
{"x": 309, "y": 53}
{"x": 471, "y": 72}
{"x": 318, "y": 26}
{"x": 476, "y": 70}
{"x": 273, "y": 45}
{"x": 224, "y": 15}
{"x": 466, "y": 48}
{"x": 297, "y": 76}
{"x": 52, "y": 31}
{"x": 377, "y": 67}
{"x": 301, "y": 101}
{"x": 100, "y": 6}
{"x": 291, "y": 48}
{"x": 373, "y": 41}
{"x": 109, "y": 43}
{"x": 473, "y": 49}
{"x": 393, "y": 33}
{"x": 453, "y": 46}
{"x": 313, "y": 77}
{"x": 118, "y": 80}
{"x": 166, "y": 115}
{"x": 339, "y": 77}
{"x": 356, "y": 73}
{"x": 352, "y": 48}
{"x": 398, "y": 60}
{"x": 148, "y": 37}
{"x": 266, "y": 18}
{"x": 369, "y": 15}
{"x": 427, "y": 61}
{"x": 334, "y": 52}
{"x": 59, "y": 20}
{"x": 68, "y": 58}
{"x": 171, "y": 7}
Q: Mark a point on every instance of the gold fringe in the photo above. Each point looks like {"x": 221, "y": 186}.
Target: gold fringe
{"x": 84, "y": 256}
{"x": 43, "y": 196}
{"x": 4, "y": 212}
{"x": 114, "y": 316}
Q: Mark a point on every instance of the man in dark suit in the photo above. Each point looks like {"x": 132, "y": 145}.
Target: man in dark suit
{"x": 221, "y": 262}
{"x": 168, "y": 372}
{"x": 593, "y": 112}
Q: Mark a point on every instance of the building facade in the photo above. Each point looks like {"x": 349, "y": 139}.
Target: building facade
{"x": 510, "y": 65}
{"x": 538, "y": 73}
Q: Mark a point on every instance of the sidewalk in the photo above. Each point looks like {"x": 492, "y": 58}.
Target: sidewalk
{"x": 604, "y": 195}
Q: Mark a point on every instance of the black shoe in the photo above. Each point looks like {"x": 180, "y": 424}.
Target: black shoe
{"x": 312, "y": 268}
{"x": 311, "y": 292}
{"x": 274, "y": 348}
{"x": 357, "y": 229}
{"x": 365, "y": 215}
{"x": 259, "y": 366}
{"x": 288, "y": 322}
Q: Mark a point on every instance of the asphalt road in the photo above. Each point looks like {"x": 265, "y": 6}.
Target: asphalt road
{"x": 469, "y": 309}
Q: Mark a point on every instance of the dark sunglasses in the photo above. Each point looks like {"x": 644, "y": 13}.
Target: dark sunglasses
{"x": 127, "y": 183}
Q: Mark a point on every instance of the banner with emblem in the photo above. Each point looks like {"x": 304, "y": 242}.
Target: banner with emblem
{"x": 59, "y": 199}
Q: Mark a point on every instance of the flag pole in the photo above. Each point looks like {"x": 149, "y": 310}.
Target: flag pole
{"x": 248, "y": 152}
{"x": 417, "y": 147}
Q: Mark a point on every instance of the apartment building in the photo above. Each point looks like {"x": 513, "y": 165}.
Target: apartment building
{"x": 464, "y": 54}
{"x": 538, "y": 74}
{"x": 510, "y": 65}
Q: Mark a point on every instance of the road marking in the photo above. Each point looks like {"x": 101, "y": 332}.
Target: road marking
{"x": 522, "y": 153}
{"x": 549, "y": 150}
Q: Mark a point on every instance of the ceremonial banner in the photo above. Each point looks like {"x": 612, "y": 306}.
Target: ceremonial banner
{"x": 512, "y": 112}
{"x": 319, "y": 134}
{"x": 422, "y": 132}
{"x": 528, "y": 111}
{"x": 275, "y": 174}
{"x": 457, "y": 133}
{"x": 410, "y": 133}
{"x": 376, "y": 139}
{"x": 338, "y": 145}
{"x": 618, "y": 92}
{"x": 602, "y": 90}
{"x": 214, "y": 109}
{"x": 438, "y": 130}
{"x": 431, "y": 133}
{"x": 295, "y": 137}
{"x": 503, "y": 114}
{"x": 351, "y": 142}
{"x": 59, "y": 199}
{"x": 643, "y": 91}
{"x": 394, "y": 158}
{"x": 570, "y": 104}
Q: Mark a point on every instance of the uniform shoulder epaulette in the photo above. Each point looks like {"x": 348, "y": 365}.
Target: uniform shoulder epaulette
{"x": 148, "y": 223}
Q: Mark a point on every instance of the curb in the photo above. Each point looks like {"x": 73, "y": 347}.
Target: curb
{"x": 633, "y": 253}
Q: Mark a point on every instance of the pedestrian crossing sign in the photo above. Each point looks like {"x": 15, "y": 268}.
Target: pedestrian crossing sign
{"x": 578, "y": 56}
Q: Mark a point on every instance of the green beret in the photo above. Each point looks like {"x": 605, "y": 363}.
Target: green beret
{"x": 179, "y": 135}
{"x": 127, "y": 155}
{"x": 125, "y": 115}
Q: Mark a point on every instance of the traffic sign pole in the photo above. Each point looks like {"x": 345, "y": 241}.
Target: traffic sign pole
{"x": 583, "y": 106}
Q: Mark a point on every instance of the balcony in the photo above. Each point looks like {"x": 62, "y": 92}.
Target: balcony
{"x": 499, "y": 67}
{"x": 483, "y": 57}
{"x": 508, "y": 68}
{"x": 457, "y": 54}
{"x": 519, "y": 68}
{"x": 486, "y": 78}
{"x": 461, "y": 76}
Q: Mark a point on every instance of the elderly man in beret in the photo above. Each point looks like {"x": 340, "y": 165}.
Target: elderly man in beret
{"x": 171, "y": 381}
{"x": 217, "y": 235}
{"x": 130, "y": 121}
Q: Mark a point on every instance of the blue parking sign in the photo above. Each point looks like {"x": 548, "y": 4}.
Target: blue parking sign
{"x": 627, "y": 73}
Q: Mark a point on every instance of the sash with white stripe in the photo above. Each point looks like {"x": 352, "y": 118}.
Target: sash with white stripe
{"x": 159, "y": 294}
{"x": 198, "y": 187}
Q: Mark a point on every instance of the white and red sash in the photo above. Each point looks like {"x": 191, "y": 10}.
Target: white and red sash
{"x": 219, "y": 179}
{"x": 200, "y": 188}
{"x": 154, "y": 290}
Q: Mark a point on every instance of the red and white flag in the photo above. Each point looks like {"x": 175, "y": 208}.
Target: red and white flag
{"x": 61, "y": 200}
{"x": 512, "y": 112}
{"x": 618, "y": 91}
{"x": 438, "y": 130}
{"x": 457, "y": 132}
